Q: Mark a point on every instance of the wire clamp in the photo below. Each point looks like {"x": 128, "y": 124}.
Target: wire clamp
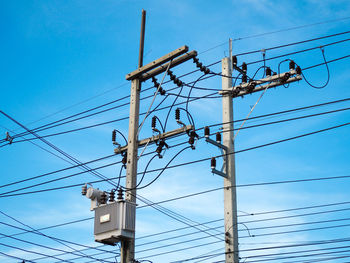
{"x": 9, "y": 138}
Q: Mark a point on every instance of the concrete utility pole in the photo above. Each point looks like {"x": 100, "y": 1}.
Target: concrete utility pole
{"x": 127, "y": 247}
{"x": 228, "y": 93}
{"x": 230, "y": 203}
{"x": 142, "y": 74}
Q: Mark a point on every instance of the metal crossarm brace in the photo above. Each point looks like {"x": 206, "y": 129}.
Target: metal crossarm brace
{"x": 156, "y": 138}
{"x": 214, "y": 171}
{"x": 224, "y": 150}
{"x": 216, "y": 144}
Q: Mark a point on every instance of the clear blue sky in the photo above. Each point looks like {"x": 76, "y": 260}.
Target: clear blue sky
{"x": 59, "y": 58}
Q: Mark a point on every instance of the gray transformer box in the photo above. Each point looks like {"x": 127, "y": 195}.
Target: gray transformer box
{"x": 114, "y": 222}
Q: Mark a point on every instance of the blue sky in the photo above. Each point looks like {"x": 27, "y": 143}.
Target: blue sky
{"x": 60, "y": 58}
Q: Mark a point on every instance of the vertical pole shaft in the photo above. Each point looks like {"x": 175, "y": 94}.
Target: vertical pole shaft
{"x": 128, "y": 247}
{"x": 142, "y": 37}
{"x": 127, "y": 253}
{"x": 230, "y": 202}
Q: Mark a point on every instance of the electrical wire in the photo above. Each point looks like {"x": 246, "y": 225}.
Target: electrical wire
{"x": 303, "y": 244}
{"x": 56, "y": 171}
{"x": 42, "y": 234}
{"x": 56, "y": 148}
{"x": 281, "y": 46}
{"x": 108, "y": 122}
{"x": 282, "y": 30}
{"x": 296, "y": 43}
{"x": 206, "y": 159}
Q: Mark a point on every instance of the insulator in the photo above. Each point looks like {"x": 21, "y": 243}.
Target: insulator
{"x": 154, "y": 122}
{"x": 177, "y": 114}
{"x": 173, "y": 77}
{"x": 111, "y": 196}
{"x": 191, "y": 140}
{"x": 251, "y": 86}
{"x": 178, "y": 82}
{"x": 244, "y": 78}
{"x": 114, "y": 135}
{"x": 124, "y": 160}
{"x": 213, "y": 163}
{"x": 285, "y": 77}
{"x": 84, "y": 189}
{"x": 268, "y": 72}
{"x": 162, "y": 91}
{"x": 218, "y": 137}
{"x": 206, "y": 132}
{"x": 195, "y": 60}
{"x": 154, "y": 80}
{"x": 159, "y": 149}
{"x": 170, "y": 73}
{"x": 234, "y": 60}
{"x": 291, "y": 64}
{"x": 194, "y": 134}
{"x": 161, "y": 144}
{"x": 103, "y": 198}
{"x": 244, "y": 67}
{"x": 199, "y": 65}
{"x": 298, "y": 70}
{"x": 120, "y": 194}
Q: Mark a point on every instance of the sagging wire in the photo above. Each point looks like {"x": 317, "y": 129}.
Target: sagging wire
{"x": 114, "y": 138}
{"x": 154, "y": 124}
{"x": 120, "y": 175}
{"x": 161, "y": 172}
{"x": 328, "y": 73}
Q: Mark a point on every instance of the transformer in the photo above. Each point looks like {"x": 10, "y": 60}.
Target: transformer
{"x": 114, "y": 222}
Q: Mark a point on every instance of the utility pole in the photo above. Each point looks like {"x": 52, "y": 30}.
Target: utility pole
{"x": 229, "y": 92}
{"x": 127, "y": 251}
{"x": 144, "y": 73}
{"x": 230, "y": 202}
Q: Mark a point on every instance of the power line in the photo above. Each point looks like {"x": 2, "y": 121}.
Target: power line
{"x": 11, "y": 256}
{"x": 311, "y": 243}
{"x": 278, "y": 31}
{"x": 56, "y": 171}
{"x": 208, "y": 158}
{"x": 36, "y": 231}
{"x": 41, "y": 128}
{"x": 213, "y": 125}
{"x": 34, "y": 252}
{"x": 294, "y": 43}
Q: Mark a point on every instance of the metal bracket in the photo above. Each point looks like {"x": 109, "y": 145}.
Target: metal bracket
{"x": 214, "y": 171}
{"x": 224, "y": 150}
{"x": 223, "y": 147}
